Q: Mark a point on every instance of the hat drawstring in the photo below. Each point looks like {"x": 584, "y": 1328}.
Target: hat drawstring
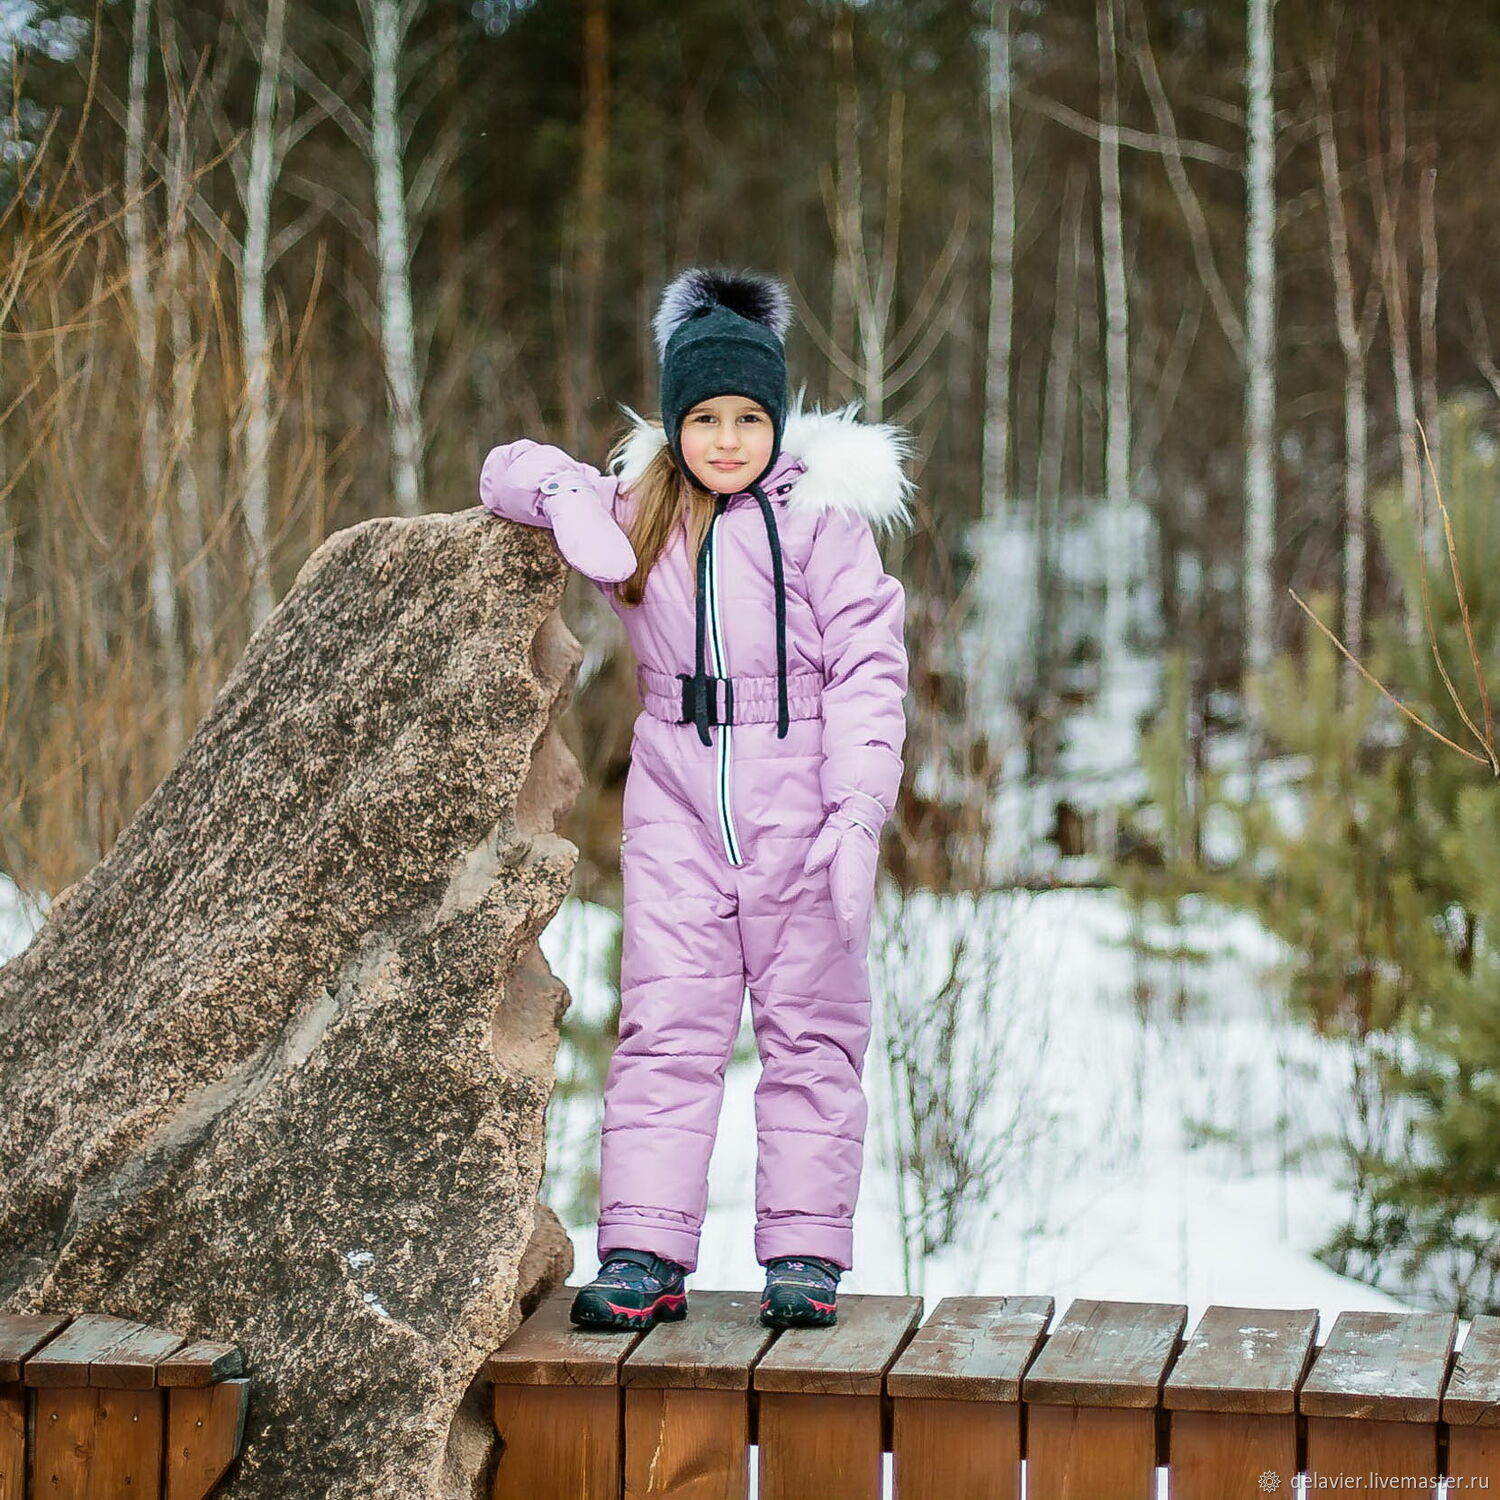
{"x": 700, "y": 680}
{"x": 783, "y": 715}
{"x": 778, "y": 575}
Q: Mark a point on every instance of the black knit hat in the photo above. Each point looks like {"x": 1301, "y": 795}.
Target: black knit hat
{"x": 720, "y": 333}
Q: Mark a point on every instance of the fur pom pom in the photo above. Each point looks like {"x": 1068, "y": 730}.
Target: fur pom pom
{"x": 751, "y": 294}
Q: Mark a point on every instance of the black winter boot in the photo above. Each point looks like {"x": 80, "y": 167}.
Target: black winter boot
{"x": 801, "y": 1292}
{"x": 634, "y": 1289}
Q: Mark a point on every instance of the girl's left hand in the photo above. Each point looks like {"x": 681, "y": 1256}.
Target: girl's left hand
{"x": 848, "y": 844}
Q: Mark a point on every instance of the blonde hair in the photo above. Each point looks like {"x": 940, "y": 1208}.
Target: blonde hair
{"x": 664, "y": 501}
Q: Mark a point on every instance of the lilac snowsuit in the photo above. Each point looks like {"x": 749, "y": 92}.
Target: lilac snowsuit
{"x": 715, "y": 836}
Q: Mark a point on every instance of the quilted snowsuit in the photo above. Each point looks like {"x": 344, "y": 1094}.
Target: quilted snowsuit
{"x": 715, "y": 834}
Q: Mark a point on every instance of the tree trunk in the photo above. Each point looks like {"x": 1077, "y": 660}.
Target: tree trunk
{"x": 849, "y": 198}
{"x": 1116, "y": 354}
{"x": 385, "y": 28}
{"x": 161, "y": 576}
{"x": 996, "y": 456}
{"x": 1056, "y": 408}
{"x": 183, "y": 432}
{"x": 253, "y": 336}
{"x": 589, "y": 234}
{"x": 1260, "y": 339}
{"x": 1427, "y": 214}
{"x": 1393, "y": 280}
{"x": 1356, "y": 413}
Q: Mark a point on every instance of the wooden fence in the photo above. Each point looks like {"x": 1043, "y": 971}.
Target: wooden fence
{"x": 1251, "y": 1404}
{"x": 100, "y": 1408}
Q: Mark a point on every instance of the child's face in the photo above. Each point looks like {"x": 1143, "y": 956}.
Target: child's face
{"x": 726, "y": 442}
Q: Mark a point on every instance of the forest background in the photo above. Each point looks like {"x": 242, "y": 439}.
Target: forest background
{"x": 1176, "y": 299}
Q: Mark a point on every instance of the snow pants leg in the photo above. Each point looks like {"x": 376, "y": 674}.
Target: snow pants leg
{"x": 698, "y": 930}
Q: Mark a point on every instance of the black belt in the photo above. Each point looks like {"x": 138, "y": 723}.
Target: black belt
{"x": 711, "y": 699}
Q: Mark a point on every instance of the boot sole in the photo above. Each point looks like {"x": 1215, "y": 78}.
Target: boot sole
{"x": 808, "y": 1315}
{"x": 595, "y": 1310}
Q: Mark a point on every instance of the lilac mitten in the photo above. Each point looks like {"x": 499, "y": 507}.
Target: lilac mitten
{"x": 586, "y": 534}
{"x": 849, "y": 845}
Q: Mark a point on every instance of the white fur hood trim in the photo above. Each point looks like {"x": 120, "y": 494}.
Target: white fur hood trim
{"x": 852, "y": 466}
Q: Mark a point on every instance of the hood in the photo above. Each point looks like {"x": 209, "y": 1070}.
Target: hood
{"x": 846, "y": 465}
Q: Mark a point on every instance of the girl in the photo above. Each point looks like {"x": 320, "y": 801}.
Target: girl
{"x": 772, "y": 674}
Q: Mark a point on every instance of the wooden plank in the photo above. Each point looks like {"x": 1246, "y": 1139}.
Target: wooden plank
{"x": 205, "y": 1431}
{"x": 68, "y": 1359}
{"x": 132, "y": 1362}
{"x": 548, "y": 1350}
{"x": 1243, "y": 1359}
{"x": 820, "y": 1425}
{"x": 1219, "y": 1455}
{"x": 687, "y": 1444}
{"x": 972, "y": 1349}
{"x": 1472, "y": 1396}
{"x": 1090, "y": 1453}
{"x": 848, "y": 1359}
{"x": 1232, "y": 1394}
{"x": 12, "y": 1440}
{"x": 1387, "y": 1366}
{"x": 201, "y": 1363}
{"x": 963, "y": 1449}
{"x": 1352, "y": 1453}
{"x": 818, "y": 1446}
{"x": 62, "y": 1448}
{"x": 558, "y": 1406}
{"x": 955, "y": 1398}
{"x": 558, "y": 1442}
{"x": 129, "y": 1432}
{"x": 22, "y": 1334}
{"x": 687, "y": 1401}
{"x": 1474, "y": 1458}
{"x": 1106, "y": 1354}
{"x": 1091, "y": 1398}
{"x": 712, "y": 1349}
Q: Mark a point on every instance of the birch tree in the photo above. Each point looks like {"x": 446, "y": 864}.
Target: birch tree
{"x": 1252, "y": 336}
{"x": 1057, "y": 408}
{"x": 387, "y": 23}
{"x": 996, "y": 451}
{"x": 587, "y": 236}
{"x": 161, "y": 574}
{"x": 267, "y": 146}
{"x": 1390, "y": 161}
{"x": 399, "y": 82}
{"x": 1355, "y": 330}
{"x": 184, "y": 346}
{"x": 1260, "y": 338}
{"x": 1116, "y": 351}
{"x": 886, "y": 354}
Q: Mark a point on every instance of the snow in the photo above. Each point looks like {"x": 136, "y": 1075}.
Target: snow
{"x": 1176, "y": 1117}
{"x": 1175, "y": 1151}
{"x": 1170, "y": 1130}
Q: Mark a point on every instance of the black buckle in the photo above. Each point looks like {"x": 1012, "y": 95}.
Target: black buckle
{"x": 711, "y": 693}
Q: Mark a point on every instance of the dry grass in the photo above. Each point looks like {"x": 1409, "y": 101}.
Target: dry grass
{"x": 96, "y": 697}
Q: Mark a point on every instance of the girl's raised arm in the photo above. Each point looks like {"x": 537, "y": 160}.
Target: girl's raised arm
{"x": 541, "y": 485}
{"x": 861, "y": 613}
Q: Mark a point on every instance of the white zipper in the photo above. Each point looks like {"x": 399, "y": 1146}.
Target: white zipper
{"x": 722, "y": 784}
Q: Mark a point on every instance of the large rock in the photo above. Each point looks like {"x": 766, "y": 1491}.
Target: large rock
{"x": 275, "y": 1071}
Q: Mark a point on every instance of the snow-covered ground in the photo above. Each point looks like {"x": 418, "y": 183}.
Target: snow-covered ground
{"x": 1172, "y": 1121}
{"x": 1169, "y": 1130}
{"x": 1177, "y": 1131}
{"x": 1179, "y": 1128}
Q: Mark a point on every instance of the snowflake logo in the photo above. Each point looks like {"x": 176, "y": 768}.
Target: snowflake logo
{"x": 1270, "y": 1481}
